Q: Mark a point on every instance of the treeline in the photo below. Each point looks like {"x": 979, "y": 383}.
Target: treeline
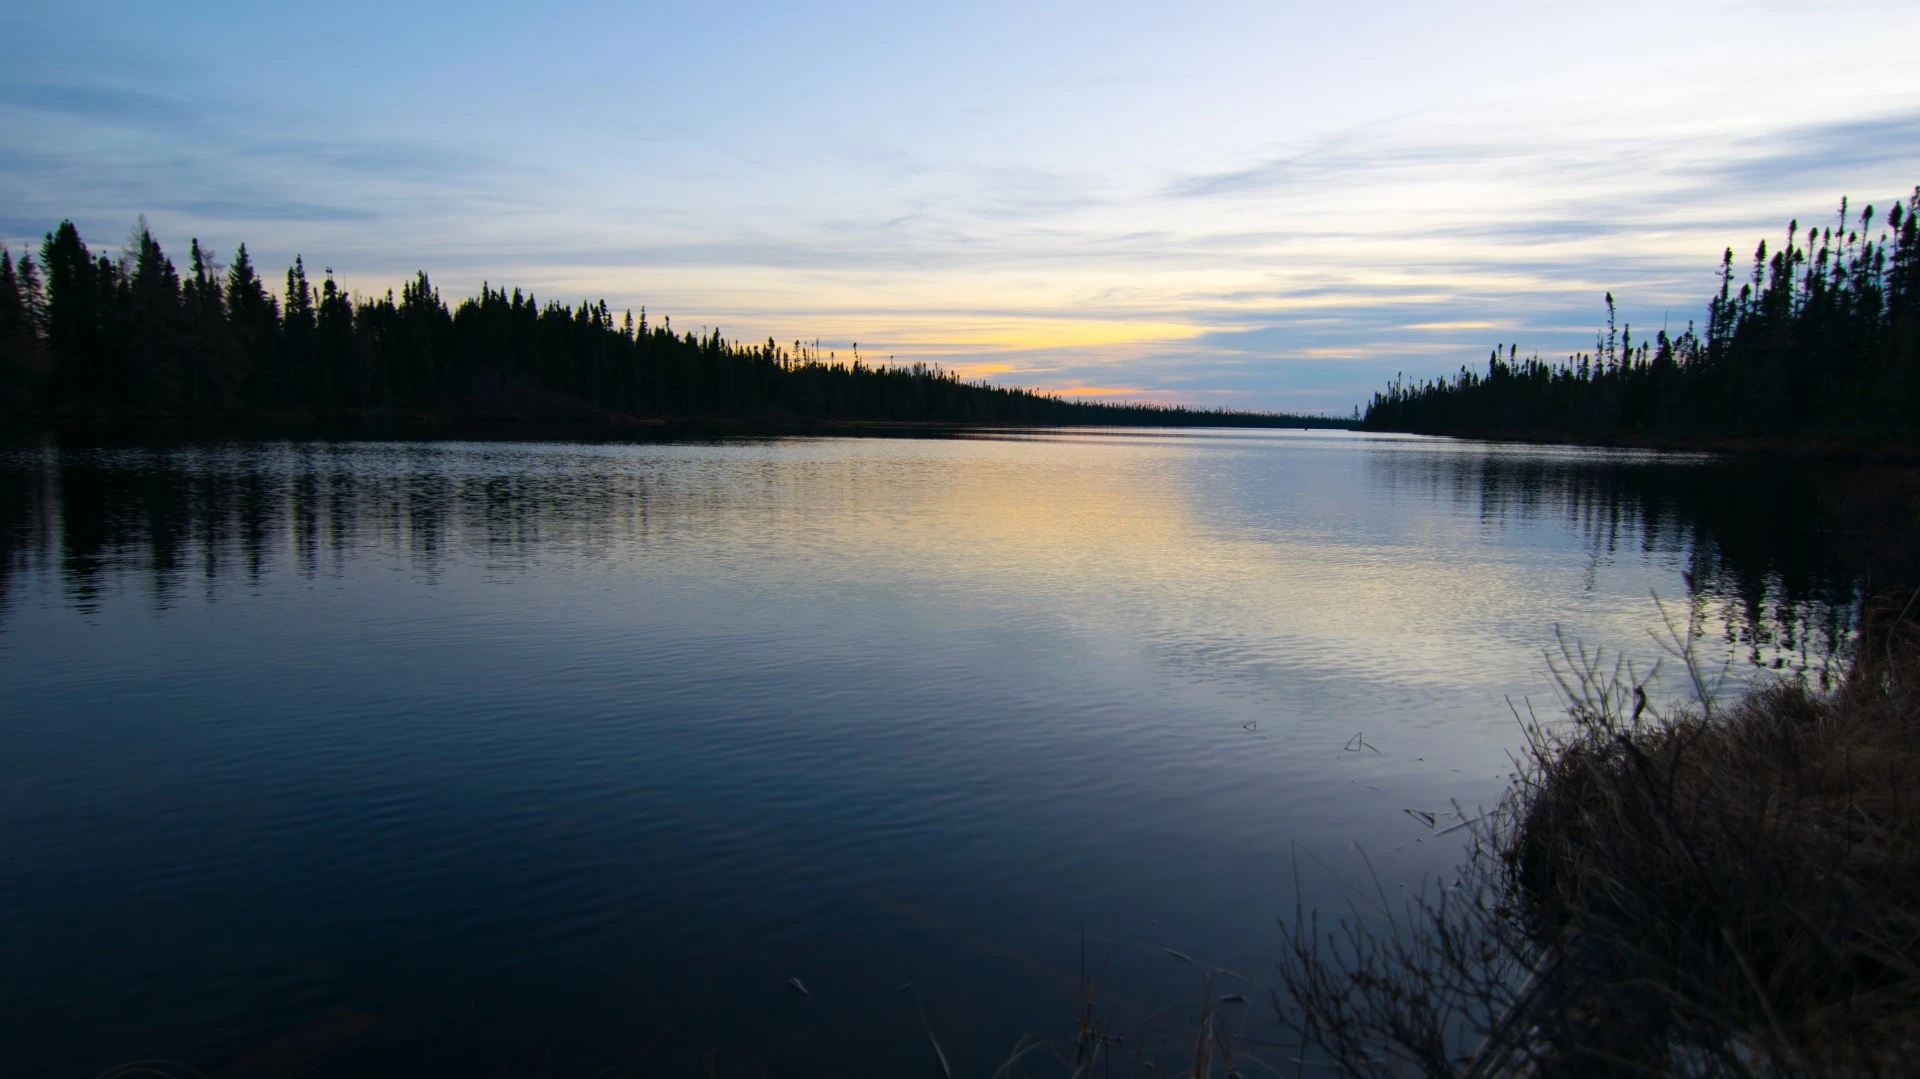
{"x": 1822, "y": 338}
{"x": 82, "y": 333}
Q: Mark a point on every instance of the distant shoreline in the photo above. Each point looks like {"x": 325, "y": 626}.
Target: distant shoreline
{"x": 85, "y": 338}
{"x": 584, "y": 423}
{"x": 1872, "y": 451}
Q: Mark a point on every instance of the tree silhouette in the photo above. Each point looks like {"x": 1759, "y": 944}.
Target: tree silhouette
{"x": 136, "y": 338}
{"x": 1823, "y": 339}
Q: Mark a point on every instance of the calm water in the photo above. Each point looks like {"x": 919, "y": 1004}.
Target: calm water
{"x": 564, "y": 758}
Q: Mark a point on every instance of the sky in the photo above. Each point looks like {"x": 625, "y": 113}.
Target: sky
{"x": 1273, "y": 206}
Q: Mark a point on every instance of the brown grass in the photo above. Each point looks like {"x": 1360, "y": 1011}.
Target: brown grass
{"x": 1704, "y": 889}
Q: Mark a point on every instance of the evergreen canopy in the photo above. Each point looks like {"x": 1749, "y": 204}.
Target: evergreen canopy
{"x": 81, "y": 333}
{"x": 1822, "y": 339}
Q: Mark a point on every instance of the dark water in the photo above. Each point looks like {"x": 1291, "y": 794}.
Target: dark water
{"x": 562, "y": 759}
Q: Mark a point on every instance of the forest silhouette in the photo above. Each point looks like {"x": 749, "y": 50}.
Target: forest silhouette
{"x": 1821, "y": 340}
{"x": 85, "y": 334}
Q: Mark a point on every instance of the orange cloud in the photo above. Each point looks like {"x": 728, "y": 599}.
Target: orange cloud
{"x": 1095, "y": 391}
{"x": 1464, "y": 324}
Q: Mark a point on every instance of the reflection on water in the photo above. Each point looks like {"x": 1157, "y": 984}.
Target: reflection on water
{"x": 1758, "y": 540}
{"x": 566, "y": 757}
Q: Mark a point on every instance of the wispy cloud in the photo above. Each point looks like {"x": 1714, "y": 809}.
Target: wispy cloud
{"x": 1172, "y": 213}
{"x": 103, "y": 103}
{"x": 269, "y": 210}
{"x": 1838, "y": 152}
{"x": 1367, "y": 150}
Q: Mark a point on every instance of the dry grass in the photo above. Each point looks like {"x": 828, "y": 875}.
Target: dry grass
{"x": 1704, "y": 889}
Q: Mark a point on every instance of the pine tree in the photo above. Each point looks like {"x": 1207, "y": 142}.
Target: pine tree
{"x": 73, "y": 316}
{"x": 154, "y": 331}
{"x": 22, "y": 360}
{"x": 131, "y": 333}
{"x": 255, "y": 321}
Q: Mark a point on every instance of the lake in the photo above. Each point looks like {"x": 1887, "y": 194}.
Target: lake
{"x": 564, "y": 758}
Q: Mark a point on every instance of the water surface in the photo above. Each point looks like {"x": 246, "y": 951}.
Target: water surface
{"x": 564, "y": 758}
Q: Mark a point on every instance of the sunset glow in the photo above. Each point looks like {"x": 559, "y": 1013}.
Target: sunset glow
{"x": 1268, "y": 205}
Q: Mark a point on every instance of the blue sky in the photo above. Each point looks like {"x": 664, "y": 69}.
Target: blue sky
{"x": 1259, "y": 205}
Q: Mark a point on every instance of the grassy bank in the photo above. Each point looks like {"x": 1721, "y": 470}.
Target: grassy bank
{"x": 1703, "y": 889}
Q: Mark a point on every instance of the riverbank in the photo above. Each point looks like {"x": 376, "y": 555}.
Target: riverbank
{"x": 1708, "y": 889}
{"x": 568, "y": 424}
{"x": 1887, "y": 451}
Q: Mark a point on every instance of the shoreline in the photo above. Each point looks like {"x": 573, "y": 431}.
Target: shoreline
{"x": 1658, "y": 884}
{"x": 1829, "y": 449}
{"x": 515, "y": 426}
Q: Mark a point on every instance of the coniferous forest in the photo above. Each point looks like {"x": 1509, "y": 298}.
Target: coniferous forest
{"x": 86, "y": 334}
{"x": 1820, "y": 338}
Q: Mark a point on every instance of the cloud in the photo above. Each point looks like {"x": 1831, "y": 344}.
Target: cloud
{"x": 1193, "y": 240}
{"x": 96, "y": 102}
{"x": 1594, "y": 221}
{"x": 1095, "y": 391}
{"x": 269, "y": 210}
{"x": 1458, "y": 324}
{"x": 416, "y": 161}
{"x": 1358, "y": 152}
{"x": 1840, "y": 150}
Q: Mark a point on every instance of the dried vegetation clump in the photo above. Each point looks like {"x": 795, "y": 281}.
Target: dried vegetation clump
{"x": 1708, "y": 889}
